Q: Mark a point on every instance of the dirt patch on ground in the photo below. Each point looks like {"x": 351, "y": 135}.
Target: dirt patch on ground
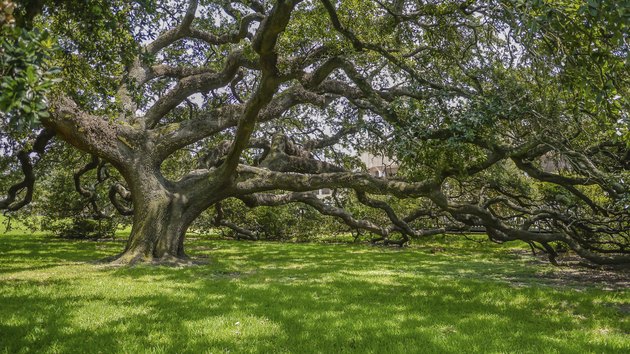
{"x": 585, "y": 277}
{"x": 576, "y": 275}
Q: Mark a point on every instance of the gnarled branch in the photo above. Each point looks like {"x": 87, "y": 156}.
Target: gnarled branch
{"x": 28, "y": 183}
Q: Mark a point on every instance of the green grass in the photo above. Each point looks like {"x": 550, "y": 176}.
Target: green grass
{"x": 11, "y": 226}
{"x": 274, "y": 297}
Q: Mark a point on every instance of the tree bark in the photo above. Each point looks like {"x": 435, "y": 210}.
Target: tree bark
{"x": 159, "y": 222}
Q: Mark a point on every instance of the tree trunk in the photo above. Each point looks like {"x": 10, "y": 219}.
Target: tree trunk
{"x": 159, "y": 223}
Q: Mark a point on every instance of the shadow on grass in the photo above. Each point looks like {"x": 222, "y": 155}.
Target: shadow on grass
{"x": 45, "y": 251}
{"x": 297, "y": 298}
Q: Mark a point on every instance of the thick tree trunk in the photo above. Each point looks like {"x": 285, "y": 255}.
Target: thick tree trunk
{"x": 159, "y": 223}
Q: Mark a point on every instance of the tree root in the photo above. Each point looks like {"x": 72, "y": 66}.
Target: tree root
{"x": 168, "y": 260}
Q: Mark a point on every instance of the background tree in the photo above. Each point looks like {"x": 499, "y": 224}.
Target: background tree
{"x": 502, "y": 117}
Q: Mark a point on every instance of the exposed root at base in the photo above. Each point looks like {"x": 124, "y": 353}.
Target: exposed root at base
{"x": 168, "y": 260}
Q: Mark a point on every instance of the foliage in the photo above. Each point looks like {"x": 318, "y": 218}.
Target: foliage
{"x": 103, "y": 37}
{"x": 292, "y": 222}
{"x": 58, "y": 207}
{"x": 79, "y": 228}
{"x": 6, "y": 14}
{"x": 26, "y": 77}
{"x": 587, "y": 44}
{"x": 508, "y": 116}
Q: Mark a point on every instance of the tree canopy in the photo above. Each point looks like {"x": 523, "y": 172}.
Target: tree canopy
{"x": 506, "y": 115}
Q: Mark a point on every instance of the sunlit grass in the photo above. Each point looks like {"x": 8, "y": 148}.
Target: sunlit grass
{"x": 444, "y": 296}
{"x": 12, "y": 226}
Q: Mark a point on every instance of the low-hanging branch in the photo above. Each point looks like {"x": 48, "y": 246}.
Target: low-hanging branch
{"x": 268, "y": 102}
{"x": 11, "y": 202}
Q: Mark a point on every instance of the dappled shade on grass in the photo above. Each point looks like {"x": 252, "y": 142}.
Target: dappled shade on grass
{"x": 273, "y": 297}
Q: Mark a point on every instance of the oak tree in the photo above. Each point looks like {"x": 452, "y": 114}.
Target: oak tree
{"x": 509, "y": 116}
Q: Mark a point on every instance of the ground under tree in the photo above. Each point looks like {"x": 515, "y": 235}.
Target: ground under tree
{"x": 509, "y": 116}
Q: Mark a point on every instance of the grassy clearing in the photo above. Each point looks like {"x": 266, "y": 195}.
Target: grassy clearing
{"x": 11, "y": 226}
{"x": 272, "y": 297}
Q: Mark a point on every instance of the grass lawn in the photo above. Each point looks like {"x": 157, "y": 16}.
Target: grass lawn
{"x": 272, "y": 297}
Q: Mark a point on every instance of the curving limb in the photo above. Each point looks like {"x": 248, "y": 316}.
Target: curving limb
{"x": 398, "y": 226}
{"x": 11, "y": 202}
{"x": 118, "y": 190}
{"x": 262, "y": 199}
{"x": 272, "y": 101}
{"x": 241, "y": 232}
{"x": 89, "y": 194}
